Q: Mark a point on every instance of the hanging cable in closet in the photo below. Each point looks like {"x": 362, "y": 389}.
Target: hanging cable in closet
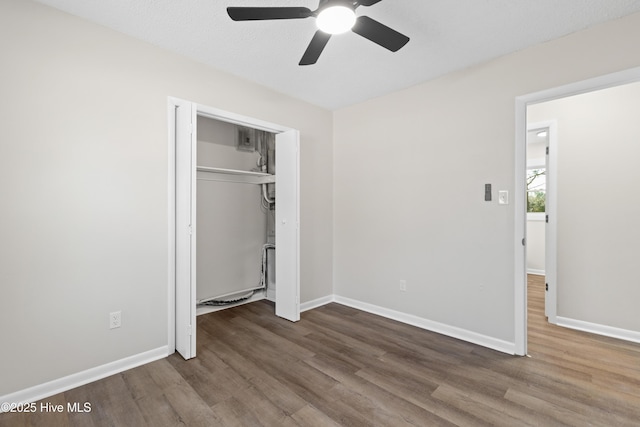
{"x": 243, "y": 295}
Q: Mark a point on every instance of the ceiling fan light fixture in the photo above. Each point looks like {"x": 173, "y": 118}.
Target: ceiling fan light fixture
{"x": 336, "y": 19}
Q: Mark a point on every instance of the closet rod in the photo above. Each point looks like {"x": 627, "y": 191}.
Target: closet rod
{"x": 230, "y": 171}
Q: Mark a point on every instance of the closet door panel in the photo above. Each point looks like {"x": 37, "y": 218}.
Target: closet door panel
{"x": 185, "y": 230}
{"x": 288, "y": 225}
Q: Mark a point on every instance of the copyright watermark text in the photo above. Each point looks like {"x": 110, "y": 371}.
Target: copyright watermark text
{"x": 46, "y": 407}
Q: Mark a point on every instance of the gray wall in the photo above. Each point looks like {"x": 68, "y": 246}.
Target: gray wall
{"x": 409, "y": 178}
{"x": 598, "y": 206}
{"x": 84, "y": 186}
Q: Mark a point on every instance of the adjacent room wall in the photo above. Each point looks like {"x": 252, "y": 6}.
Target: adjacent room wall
{"x": 84, "y": 178}
{"x": 598, "y": 206}
{"x": 409, "y": 175}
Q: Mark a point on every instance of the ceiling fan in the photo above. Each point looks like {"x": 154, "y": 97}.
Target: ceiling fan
{"x": 332, "y": 17}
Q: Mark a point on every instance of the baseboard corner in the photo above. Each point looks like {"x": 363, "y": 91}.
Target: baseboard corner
{"x": 318, "y": 302}
{"x": 536, "y": 272}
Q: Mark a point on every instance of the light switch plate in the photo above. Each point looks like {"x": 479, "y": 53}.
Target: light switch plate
{"x": 503, "y": 197}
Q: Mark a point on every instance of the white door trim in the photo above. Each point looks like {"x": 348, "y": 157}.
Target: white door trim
{"x": 521, "y": 102}
{"x": 171, "y": 226}
{"x": 238, "y": 119}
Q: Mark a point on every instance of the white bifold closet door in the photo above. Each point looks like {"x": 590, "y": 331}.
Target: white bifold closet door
{"x": 287, "y": 225}
{"x": 185, "y": 238}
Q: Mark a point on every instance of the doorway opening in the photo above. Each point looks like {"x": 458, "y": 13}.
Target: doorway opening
{"x": 231, "y": 216}
{"x": 551, "y": 257}
{"x": 540, "y": 181}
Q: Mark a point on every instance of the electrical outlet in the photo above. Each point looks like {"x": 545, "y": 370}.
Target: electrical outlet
{"x": 403, "y": 285}
{"x": 115, "y": 319}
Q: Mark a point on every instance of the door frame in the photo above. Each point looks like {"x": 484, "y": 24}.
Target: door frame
{"x": 521, "y": 102}
{"x": 229, "y": 117}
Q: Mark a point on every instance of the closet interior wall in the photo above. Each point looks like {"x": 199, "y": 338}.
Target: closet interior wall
{"x": 232, "y": 216}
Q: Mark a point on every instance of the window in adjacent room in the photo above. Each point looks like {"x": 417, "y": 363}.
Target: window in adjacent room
{"x": 536, "y": 190}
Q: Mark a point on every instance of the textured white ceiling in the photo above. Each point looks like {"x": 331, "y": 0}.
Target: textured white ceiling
{"x": 446, "y": 35}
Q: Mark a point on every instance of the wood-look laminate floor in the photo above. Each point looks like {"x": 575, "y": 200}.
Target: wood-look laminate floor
{"x": 340, "y": 366}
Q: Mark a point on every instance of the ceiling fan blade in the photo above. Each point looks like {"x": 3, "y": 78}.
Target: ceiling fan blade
{"x": 368, "y": 2}
{"x": 379, "y": 33}
{"x": 261, "y": 13}
{"x": 315, "y": 48}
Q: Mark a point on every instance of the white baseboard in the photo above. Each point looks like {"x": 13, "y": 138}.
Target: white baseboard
{"x": 536, "y": 272}
{"x": 594, "y": 328}
{"x": 319, "y": 302}
{"x": 430, "y": 325}
{"x": 60, "y": 385}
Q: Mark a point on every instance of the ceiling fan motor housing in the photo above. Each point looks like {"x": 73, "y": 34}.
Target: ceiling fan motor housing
{"x": 330, "y": 3}
{"x": 336, "y": 17}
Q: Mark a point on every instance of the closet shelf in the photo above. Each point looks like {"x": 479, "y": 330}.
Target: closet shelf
{"x": 246, "y": 176}
{"x": 230, "y": 171}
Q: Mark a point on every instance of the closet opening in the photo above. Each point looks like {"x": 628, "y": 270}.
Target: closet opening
{"x": 234, "y": 233}
{"x": 235, "y": 212}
